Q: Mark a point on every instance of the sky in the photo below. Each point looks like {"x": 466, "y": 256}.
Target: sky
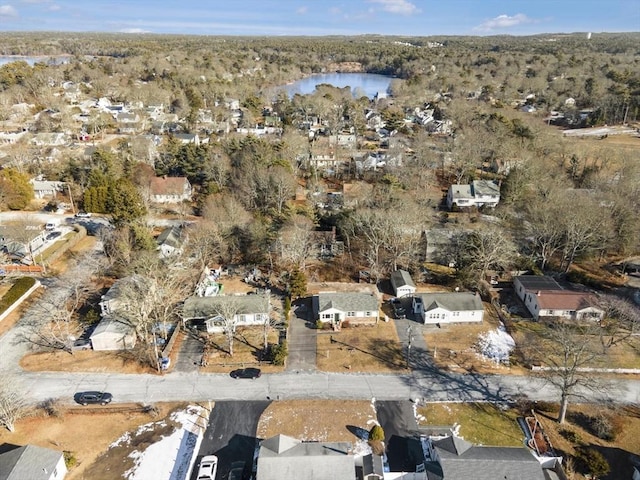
{"x": 322, "y": 17}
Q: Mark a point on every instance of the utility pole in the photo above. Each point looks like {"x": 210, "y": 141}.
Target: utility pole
{"x": 410, "y": 340}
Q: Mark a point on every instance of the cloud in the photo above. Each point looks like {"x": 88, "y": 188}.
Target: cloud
{"x": 401, "y": 7}
{"x": 302, "y": 10}
{"x": 7, "y": 11}
{"x": 503, "y": 21}
{"x": 54, "y": 8}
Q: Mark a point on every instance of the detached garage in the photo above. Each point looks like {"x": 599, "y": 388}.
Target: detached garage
{"x": 111, "y": 334}
{"x": 402, "y": 283}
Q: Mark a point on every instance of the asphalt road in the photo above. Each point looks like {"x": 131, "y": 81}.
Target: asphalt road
{"x": 231, "y": 435}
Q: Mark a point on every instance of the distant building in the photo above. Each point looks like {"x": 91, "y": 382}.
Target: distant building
{"x": 170, "y": 189}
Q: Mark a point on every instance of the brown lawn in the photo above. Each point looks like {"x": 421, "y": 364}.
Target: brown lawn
{"x": 316, "y": 420}
{"x": 85, "y": 435}
{"x": 83, "y": 361}
{"x": 362, "y": 349}
{"x": 247, "y": 351}
{"x": 453, "y": 346}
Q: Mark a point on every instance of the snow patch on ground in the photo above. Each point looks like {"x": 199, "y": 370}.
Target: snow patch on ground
{"x": 170, "y": 458}
{"x": 496, "y": 345}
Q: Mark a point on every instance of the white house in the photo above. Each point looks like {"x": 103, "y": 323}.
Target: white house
{"x": 247, "y": 310}
{"x": 170, "y": 189}
{"x": 46, "y": 188}
{"x": 545, "y": 298}
{"x": 402, "y": 283}
{"x": 479, "y": 194}
{"x": 448, "y": 307}
{"x": 32, "y": 463}
{"x": 355, "y": 307}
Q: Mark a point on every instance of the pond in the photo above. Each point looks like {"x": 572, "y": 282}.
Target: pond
{"x": 362, "y": 84}
{"x": 4, "y": 59}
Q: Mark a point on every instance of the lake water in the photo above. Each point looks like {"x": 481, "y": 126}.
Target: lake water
{"x": 32, "y": 60}
{"x": 368, "y": 84}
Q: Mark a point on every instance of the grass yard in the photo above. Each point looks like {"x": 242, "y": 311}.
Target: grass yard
{"x": 373, "y": 348}
{"x": 480, "y": 423}
{"x": 247, "y": 351}
{"x": 453, "y": 347}
{"x": 316, "y": 420}
{"x": 487, "y": 424}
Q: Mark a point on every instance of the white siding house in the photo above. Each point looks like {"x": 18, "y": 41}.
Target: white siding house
{"x": 170, "y": 190}
{"x": 31, "y": 462}
{"x": 448, "y": 307}
{"x": 336, "y": 308}
{"x": 402, "y": 283}
{"x": 545, "y": 298}
{"x": 479, "y": 194}
{"x": 247, "y": 310}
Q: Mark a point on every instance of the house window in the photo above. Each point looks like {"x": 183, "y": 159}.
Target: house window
{"x": 367, "y": 314}
{"x": 351, "y": 314}
{"x": 242, "y": 318}
{"x": 327, "y": 316}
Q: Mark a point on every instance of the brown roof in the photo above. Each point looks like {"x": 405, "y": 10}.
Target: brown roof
{"x": 168, "y": 185}
{"x": 564, "y": 300}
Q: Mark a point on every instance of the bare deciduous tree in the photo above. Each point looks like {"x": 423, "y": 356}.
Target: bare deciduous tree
{"x": 12, "y": 403}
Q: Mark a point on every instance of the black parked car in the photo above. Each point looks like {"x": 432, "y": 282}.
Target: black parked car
{"x": 252, "y": 373}
{"x": 85, "y": 398}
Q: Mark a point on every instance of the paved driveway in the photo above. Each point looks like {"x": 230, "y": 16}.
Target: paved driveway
{"x": 231, "y": 435}
{"x": 190, "y": 354}
{"x": 302, "y": 339}
{"x": 397, "y": 420}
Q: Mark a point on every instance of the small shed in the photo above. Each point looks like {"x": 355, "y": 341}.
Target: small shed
{"x": 402, "y": 283}
{"x": 113, "y": 334}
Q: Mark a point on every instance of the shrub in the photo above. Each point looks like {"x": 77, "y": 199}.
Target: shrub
{"x": 279, "y": 353}
{"x": 570, "y": 435}
{"x": 319, "y": 325}
{"x": 606, "y": 427}
{"x": 16, "y": 291}
{"x": 70, "y": 459}
{"x": 51, "y": 407}
{"x": 595, "y": 462}
{"x": 376, "y": 433}
{"x": 287, "y": 307}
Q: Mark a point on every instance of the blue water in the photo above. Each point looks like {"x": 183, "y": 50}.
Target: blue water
{"x": 32, "y": 60}
{"x": 368, "y": 84}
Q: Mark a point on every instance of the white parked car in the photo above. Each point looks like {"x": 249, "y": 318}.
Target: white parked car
{"x": 50, "y": 226}
{"x": 208, "y": 468}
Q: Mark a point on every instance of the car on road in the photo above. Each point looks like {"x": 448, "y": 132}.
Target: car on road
{"x": 86, "y": 398}
{"x": 165, "y": 363}
{"x": 82, "y": 215}
{"x": 251, "y": 373}
{"x": 81, "y": 344}
{"x": 208, "y": 468}
{"x": 53, "y": 235}
{"x": 50, "y": 226}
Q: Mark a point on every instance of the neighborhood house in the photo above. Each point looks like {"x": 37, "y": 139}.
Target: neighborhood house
{"x": 213, "y": 311}
{"x": 545, "y": 298}
{"x": 448, "y": 307}
{"x": 32, "y": 463}
{"x": 402, "y": 283}
{"x": 354, "y": 307}
{"x": 480, "y": 193}
{"x": 170, "y": 189}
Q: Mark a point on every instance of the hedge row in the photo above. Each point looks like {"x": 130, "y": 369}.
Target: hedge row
{"x": 18, "y": 289}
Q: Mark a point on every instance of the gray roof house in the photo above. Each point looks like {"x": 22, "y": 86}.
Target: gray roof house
{"x": 448, "y": 307}
{"x": 247, "y": 309}
{"x": 113, "y": 332}
{"x": 32, "y": 463}
{"x": 402, "y": 283}
{"x": 454, "y": 458}
{"x": 354, "y": 307}
{"x": 479, "y": 194}
{"x": 285, "y": 458}
{"x": 170, "y": 241}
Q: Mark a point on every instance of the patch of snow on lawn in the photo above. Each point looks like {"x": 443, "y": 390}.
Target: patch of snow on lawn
{"x": 171, "y": 456}
{"x": 496, "y": 345}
